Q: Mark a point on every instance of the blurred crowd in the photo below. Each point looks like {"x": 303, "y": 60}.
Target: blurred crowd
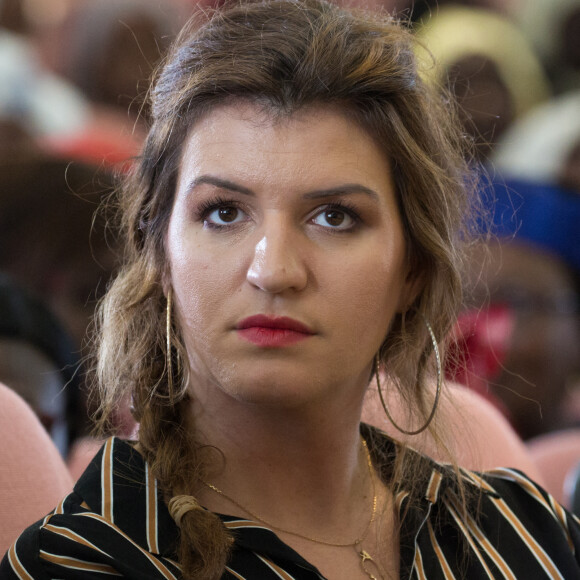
{"x": 74, "y": 75}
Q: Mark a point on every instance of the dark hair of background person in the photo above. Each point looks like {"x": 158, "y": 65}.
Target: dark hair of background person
{"x": 25, "y": 320}
{"x": 112, "y": 48}
{"x": 12, "y": 17}
{"x": 54, "y": 244}
{"x": 490, "y": 67}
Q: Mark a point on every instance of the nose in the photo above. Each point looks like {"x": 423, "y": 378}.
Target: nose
{"x": 277, "y": 264}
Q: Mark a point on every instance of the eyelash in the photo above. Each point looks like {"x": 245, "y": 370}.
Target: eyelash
{"x": 345, "y": 207}
{"x": 206, "y": 207}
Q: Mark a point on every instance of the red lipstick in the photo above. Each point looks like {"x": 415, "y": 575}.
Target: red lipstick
{"x": 272, "y": 332}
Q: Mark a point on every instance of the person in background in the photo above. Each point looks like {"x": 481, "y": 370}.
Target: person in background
{"x": 52, "y": 239}
{"x": 553, "y": 28}
{"x": 44, "y": 105}
{"x": 542, "y": 148}
{"x": 39, "y": 362}
{"x": 521, "y": 335}
{"x": 60, "y": 118}
{"x": 108, "y": 51}
{"x": 55, "y": 246}
{"x": 488, "y": 64}
{"x": 421, "y": 9}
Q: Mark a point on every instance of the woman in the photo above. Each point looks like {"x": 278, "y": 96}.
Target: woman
{"x": 294, "y": 227}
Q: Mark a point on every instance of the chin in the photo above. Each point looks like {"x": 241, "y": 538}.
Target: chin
{"x": 272, "y": 394}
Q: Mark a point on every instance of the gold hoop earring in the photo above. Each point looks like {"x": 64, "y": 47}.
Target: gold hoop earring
{"x": 168, "y": 357}
{"x": 437, "y": 394}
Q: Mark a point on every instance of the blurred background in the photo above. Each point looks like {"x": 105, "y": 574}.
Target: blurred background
{"x": 74, "y": 75}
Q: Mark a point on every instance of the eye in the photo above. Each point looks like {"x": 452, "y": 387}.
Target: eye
{"x": 224, "y": 215}
{"x": 336, "y": 218}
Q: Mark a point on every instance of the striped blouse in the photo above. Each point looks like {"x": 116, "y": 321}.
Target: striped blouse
{"x": 115, "y": 523}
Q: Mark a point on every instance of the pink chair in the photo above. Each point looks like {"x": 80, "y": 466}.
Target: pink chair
{"x": 81, "y": 454}
{"x": 556, "y": 454}
{"x": 84, "y": 449}
{"x": 479, "y": 437}
{"x": 33, "y": 475}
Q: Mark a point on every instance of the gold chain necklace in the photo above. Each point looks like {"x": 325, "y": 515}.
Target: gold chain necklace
{"x": 356, "y": 544}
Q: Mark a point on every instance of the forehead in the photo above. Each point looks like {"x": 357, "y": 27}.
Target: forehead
{"x": 256, "y": 142}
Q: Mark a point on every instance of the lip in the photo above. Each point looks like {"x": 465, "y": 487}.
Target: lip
{"x": 272, "y": 331}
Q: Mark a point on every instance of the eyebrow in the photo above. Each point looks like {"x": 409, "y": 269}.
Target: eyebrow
{"x": 218, "y": 182}
{"x": 345, "y": 189}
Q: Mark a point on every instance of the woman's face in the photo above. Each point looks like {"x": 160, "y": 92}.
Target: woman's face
{"x": 286, "y": 255}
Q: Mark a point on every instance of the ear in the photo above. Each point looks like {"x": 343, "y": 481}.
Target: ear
{"x": 413, "y": 286}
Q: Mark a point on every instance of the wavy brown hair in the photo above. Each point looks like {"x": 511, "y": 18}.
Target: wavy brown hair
{"x": 283, "y": 55}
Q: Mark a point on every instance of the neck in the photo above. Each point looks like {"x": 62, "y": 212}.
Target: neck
{"x": 305, "y": 473}
{"x": 287, "y": 465}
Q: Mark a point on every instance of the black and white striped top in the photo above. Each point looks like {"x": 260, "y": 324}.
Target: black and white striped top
{"x": 115, "y": 523}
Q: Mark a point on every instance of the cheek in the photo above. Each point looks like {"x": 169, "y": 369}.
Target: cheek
{"x": 197, "y": 287}
{"x": 202, "y": 279}
{"x": 189, "y": 276}
{"x": 385, "y": 278}
{"x": 371, "y": 293}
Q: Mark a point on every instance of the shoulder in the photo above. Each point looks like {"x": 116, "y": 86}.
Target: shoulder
{"x": 519, "y": 498}
{"x": 498, "y": 523}
{"x": 45, "y": 547}
{"x": 515, "y": 524}
{"x": 109, "y": 525}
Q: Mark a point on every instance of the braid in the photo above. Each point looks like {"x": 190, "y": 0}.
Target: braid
{"x": 130, "y": 362}
{"x": 170, "y": 449}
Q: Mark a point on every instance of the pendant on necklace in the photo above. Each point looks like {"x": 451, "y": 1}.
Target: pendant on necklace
{"x": 366, "y": 557}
